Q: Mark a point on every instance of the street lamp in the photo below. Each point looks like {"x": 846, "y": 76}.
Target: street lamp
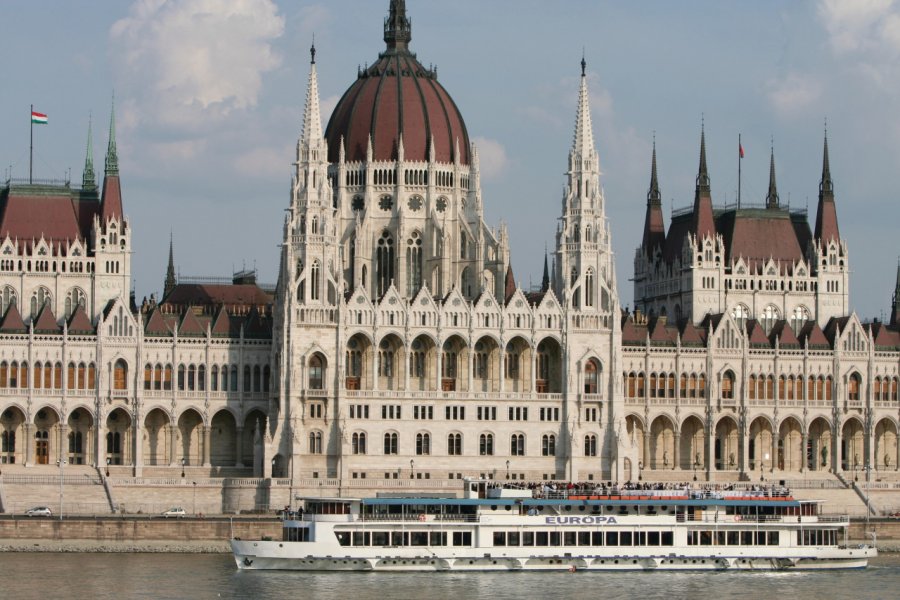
{"x": 107, "y": 466}
{"x": 194, "y": 500}
{"x": 182, "y": 468}
{"x": 412, "y": 468}
{"x": 640, "y": 469}
{"x": 61, "y": 464}
{"x": 696, "y": 464}
{"x": 507, "y": 470}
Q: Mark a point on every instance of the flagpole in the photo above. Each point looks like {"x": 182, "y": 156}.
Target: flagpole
{"x": 739, "y": 170}
{"x": 31, "y": 144}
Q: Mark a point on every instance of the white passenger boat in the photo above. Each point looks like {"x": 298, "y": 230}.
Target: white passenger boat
{"x": 498, "y": 529}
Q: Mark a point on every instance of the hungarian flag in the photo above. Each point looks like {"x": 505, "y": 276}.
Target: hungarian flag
{"x": 38, "y": 118}
{"x": 741, "y": 150}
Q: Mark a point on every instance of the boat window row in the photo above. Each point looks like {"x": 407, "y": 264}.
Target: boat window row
{"x": 743, "y": 537}
{"x": 404, "y": 538}
{"x": 296, "y": 534}
{"x": 584, "y": 538}
{"x": 817, "y": 537}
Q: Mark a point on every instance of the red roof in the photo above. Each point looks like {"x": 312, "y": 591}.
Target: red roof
{"x": 691, "y": 335}
{"x": 757, "y": 235}
{"x": 813, "y": 335}
{"x": 56, "y": 213}
{"x": 194, "y": 294}
{"x": 79, "y": 322}
{"x": 12, "y": 321}
{"x": 112, "y": 198}
{"x": 190, "y": 325}
{"x": 785, "y": 334}
{"x": 156, "y": 324}
{"x": 395, "y": 96}
{"x": 46, "y": 321}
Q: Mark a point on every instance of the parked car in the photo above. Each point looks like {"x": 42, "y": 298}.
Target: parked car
{"x": 39, "y": 511}
{"x": 176, "y": 511}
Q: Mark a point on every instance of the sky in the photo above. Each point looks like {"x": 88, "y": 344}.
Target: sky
{"x": 209, "y": 97}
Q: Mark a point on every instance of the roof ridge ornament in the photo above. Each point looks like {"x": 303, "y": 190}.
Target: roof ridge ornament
{"x": 772, "y": 196}
{"x": 397, "y": 27}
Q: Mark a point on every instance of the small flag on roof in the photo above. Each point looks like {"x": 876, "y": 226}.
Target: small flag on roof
{"x": 38, "y": 118}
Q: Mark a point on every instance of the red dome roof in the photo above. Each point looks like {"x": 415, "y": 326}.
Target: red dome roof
{"x": 395, "y": 96}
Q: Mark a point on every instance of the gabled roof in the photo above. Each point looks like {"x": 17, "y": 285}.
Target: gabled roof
{"x": 660, "y": 335}
{"x": 190, "y": 326}
{"x": 757, "y": 335}
{"x": 813, "y": 335}
{"x": 156, "y": 324}
{"x": 691, "y": 335}
{"x": 12, "y": 321}
{"x": 195, "y": 294}
{"x": 885, "y": 337}
{"x": 80, "y": 323}
{"x": 56, "y": 213}
{"x": 632, "y": 334}
{"x": 221, "y": 326}
{"x": 785, "y": 335}
{"x": 46, "y": 321}
{"x": 257, "y": 327}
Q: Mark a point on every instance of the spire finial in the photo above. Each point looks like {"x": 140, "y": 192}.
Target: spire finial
{"x": 170, "y": 270}
{"x": 112, "y": 156}
{"x": 826, "y": 186}
{"x": 88, "y": 181}
{"x": 397, "y": 27}
{"x": 583, "y": 63}
{"x": 703, "y": 173}
{"x": 654, "y": 196}
{"x": 312, "y": 51}
{"x": 772, "y": 196}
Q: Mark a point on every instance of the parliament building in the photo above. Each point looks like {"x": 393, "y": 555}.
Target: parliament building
{"x": 396, "y": 345}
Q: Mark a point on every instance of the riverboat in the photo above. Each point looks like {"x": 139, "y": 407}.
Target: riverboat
{"x": 500, "y": 529}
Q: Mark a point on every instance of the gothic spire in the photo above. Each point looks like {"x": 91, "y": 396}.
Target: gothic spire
{"x": 654, "y": 196}
{"x": 112, "y": 156}
{"x": 170, "y": 270}
{"x": 826, "y": 215}
{"x": 895, "y": 314}
{"x": 312, "y": 119}
{"x": 703, "y": 172}
{"x": 545, "y": 280}
{"x": 772, "y": 195}
{"x": 583, "y": 143}
{"x": 826, "y": 185}
{"x": 88, "y": 179}
{"x": 397, "y": 27}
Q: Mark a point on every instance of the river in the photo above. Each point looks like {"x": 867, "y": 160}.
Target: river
{"x": 198, "y": 576}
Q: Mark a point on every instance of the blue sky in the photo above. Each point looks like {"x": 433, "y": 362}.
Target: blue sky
{"x": 209, "y": 98}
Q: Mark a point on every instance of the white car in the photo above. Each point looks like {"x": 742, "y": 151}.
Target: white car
{"x": 39, "y": 511}
{"x": 176, "y": 512}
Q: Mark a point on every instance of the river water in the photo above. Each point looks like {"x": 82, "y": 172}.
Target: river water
{"x": 197, "y": 576}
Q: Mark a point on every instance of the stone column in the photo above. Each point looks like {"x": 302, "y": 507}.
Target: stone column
{"x": 172, "y": 440}
{"x": 207, "y": 447}
{"x": 774, "y": 452}
{"x": 836, "y": 449}
{"x": 29, "y": 443}
{"x": 239, "y": 447}
{"x": 676, "y": 460}
{"x": 803, "y": 452}
{"x": 63, "y": 442}
{"x": 502, "y": 361}
{"x": 645, "y": 451}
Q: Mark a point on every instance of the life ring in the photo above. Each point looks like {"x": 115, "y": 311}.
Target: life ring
{"x": 422, "y": 517}
{"x": 737, "y": 517}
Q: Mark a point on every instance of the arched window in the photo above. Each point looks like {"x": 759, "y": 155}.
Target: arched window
{"x": 74, "y": 299}
{"x": 590, "y": 445}
{"x": 247, "y": 379}
{"x": 315, "y": 442}
{"x": 548, "y": 445}
{"x": 148, "y": 377}
{"x": 181, "y": 378}
{"x": 167, "y": 378}
{"x": 120, "y": 375}
{"x": 257, "y": 378}
{"x": 384, "y": 263}
{"x": 799, "y": 318}
{"x": 39, "y": 298}
{"x": 314, "y": 281}
{"x": 591, "y": 379}
{"x": 769, "y": 317}
{"x": 728, "y": 386}
{"x": 214, "y": 379}
{"x": 517, "y": 444}
{"x": 191, "y": 378}
{"x": 201, "y": 378}
{"x": 463, "y": 244}
{"x": 454, "y": 444}
{"x": 316, "y": 373}
{"x": 740, "y": 314}
{"x": 7, "y": 298}
{"x": 853, "y": 386}
{"x": 486, "y": 444}
{"x": 589, "y": 288}
{"x": 358, "y": 443}
{"x": 751, "y": 387}
{"x": 423, "y": 444}
{"x": 390, "y": 443}
{"x": 413, "y": 264}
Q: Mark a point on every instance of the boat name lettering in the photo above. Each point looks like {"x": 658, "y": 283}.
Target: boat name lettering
{"x": 580, "y": 520}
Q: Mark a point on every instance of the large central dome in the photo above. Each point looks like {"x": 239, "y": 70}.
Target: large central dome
{"x": 397, "y": 96}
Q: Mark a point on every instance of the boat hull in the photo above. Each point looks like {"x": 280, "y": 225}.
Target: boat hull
{"x": 271, "y": 555}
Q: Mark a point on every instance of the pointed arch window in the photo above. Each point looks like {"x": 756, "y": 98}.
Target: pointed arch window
{"x": 314, "y": 281}
{"x": 769, "y": 317}
{"x": 799, "y": 318}
{"x": 463, "y": 244}
{"x": 740, "y": 314}
{"x": 413, "y": 264}
{"x": 589, "y": 288}
{"x": 358, "y": 443}
{"x": 486, "y": 444}
{"x": 384, "y": 263}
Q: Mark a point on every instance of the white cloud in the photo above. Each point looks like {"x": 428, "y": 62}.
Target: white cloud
{"x": 855, "y": 24}
{"x": 793, "y": 93}
{"x": 189, "y": 60}
{"x": 266, "y": 162}
{"x": 492, "y": 157}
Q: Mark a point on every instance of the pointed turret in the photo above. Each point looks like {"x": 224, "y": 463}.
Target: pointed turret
{"x": 170, "y": 271}
{"x": 545, "y": 280}
{"x": 583, "y": 143}
{"x": 312, "y": 119}
{"x": 510, "y": 284}
{"x": 895, "y": 313}
{"x": 88, "y": 178}
{"x": 826, "y": 216}
{"x": 111, "y": 197}
{"x": 772, "y": 195}
{"x": 397, "y": 27}
{"x": 704, "y": 224}
{"x": 654, "y": 223}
